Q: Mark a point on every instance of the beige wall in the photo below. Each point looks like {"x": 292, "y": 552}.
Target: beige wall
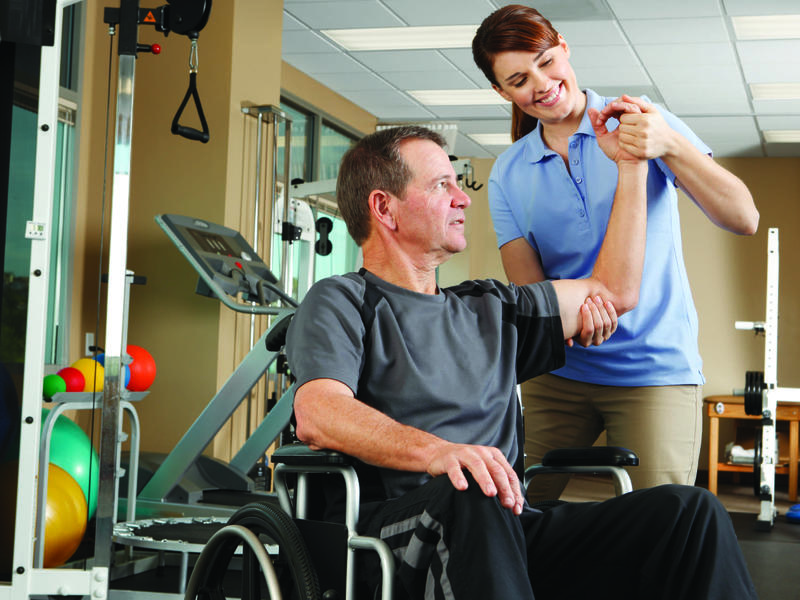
{"x": 727, "y": 273}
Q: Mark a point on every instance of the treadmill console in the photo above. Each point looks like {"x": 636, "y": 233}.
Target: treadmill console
{"x": 224, "y": 259}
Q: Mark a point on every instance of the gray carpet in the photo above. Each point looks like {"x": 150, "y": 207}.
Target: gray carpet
{"x": 773, "y": 557}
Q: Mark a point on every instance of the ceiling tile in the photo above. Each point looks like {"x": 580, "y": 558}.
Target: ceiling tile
{"x": 400, "y": 114}
{"x": 467, "y": 147}
{"x": 342, "y": 14}
{"x": 402, "y": 60}
{"x": 611, "y": 76}
{"x": 728, "y": 136}
{"x": 603, "y": 56}
{"x": 349, "y": 82}
{"x": 573, "y": 10}
{"x": 679, "y": 57}
{"x": 779, "y": 122}
{"x": 706, "y": 98}
{"x": 323, "y": 63}
{"x": 648, "y": 91}
{"x": 675, "y": 31}
{"x": 772, "y": 107}
{"x": 783, "y": 150}
{"x": 304, "y": 41}
{"x": 290, "y": 23}
{"x": 464, "y": 112}
{"x": 425, "y": 12}
{"x": 770, "y": 61}
{"x": 463, "y": 60}
{"x": 451, "y": 79}
{"x": 588, "y": 33}
{"x": 636, "y": 9}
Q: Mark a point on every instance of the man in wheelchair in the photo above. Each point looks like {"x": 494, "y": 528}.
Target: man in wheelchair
{"x": 418, "y": 384}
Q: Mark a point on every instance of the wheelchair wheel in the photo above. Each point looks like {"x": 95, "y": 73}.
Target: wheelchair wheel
{"x": 288, "y": 575}
{"x": 295, "y": 571}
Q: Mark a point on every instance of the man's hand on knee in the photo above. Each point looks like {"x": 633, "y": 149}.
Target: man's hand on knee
{"x": 489, "y": 468}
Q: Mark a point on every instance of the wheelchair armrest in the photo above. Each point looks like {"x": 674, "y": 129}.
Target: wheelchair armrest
{"x": 598, "y": 459}
{"x": 300, "y": 455}
{"x": 591, "y": 457}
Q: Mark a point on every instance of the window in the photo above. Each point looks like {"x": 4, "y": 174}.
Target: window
{"x": 317, "y": 147}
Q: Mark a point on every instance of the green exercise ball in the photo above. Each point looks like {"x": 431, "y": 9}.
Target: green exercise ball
{"x": 72, "y": 450}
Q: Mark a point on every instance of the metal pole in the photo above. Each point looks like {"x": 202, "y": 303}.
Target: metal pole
{"x": 117, "y": 276}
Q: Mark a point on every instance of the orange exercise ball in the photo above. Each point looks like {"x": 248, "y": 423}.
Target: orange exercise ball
{"x": 66, "y": 515}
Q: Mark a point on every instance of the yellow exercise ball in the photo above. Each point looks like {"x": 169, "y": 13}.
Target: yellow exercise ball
{"x": 92, "y": 372}
{"x": 66, "y": 514}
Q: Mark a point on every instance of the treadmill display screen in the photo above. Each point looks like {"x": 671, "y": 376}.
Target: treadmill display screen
{"x": 212, "y": 242}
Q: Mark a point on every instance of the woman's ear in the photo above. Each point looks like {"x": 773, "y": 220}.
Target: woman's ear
{"x": 563, "y": 43}
{"x": 502, "y": 92}
{"x": 380, "y": 205}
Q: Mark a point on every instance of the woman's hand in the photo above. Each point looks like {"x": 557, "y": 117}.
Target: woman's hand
{"x": 610, "y": 142}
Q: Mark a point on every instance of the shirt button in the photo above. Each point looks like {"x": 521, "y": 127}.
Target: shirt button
{"x": 573, "y": 145}
{"x": 579, "y": 180}
{"x": 575, "y": 162}
{"x": 581, "y": 213}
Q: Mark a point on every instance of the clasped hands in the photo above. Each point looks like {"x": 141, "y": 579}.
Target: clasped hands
{"x": 642, "y": 134}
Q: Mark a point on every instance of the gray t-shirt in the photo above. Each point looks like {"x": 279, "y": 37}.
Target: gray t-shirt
{"x": 445, "y": 363}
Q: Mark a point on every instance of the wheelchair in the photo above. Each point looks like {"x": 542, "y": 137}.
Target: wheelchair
{"x": 317, "y": 559}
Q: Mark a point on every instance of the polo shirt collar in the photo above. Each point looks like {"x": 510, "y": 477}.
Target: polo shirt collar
{"x": 535, "y": 150}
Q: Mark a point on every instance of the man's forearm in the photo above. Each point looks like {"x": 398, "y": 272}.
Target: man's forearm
{"x": 328, "y": 418}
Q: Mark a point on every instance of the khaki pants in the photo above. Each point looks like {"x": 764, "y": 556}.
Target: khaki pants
{"x": 662, "y": 424}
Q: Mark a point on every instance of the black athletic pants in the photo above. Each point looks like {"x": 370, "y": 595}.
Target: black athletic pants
{"x": 668, "y": 542}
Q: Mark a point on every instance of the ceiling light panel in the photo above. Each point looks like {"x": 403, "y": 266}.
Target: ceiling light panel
{"x": 769, "y": 27}
{"x": 782, "y": 136}
{"x": 403, "y": 38}
{"x": 492, "y": 139}
{"x": 775, "y": 91}
{"x": 762, "y": 7}
{"x": 457, "y": 97}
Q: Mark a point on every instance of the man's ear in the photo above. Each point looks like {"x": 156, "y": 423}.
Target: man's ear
{"x": 380, "y": 205}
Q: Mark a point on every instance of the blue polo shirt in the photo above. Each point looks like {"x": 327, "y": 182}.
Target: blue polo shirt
{"x": 564, "y": 213}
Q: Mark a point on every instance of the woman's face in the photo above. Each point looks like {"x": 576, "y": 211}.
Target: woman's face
{"x": 542, "y": 85}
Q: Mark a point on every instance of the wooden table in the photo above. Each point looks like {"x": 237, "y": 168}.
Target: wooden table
{"x": 732, "y": 407}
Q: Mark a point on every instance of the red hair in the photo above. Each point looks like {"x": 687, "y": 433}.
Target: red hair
{"x": 512, "y": 28}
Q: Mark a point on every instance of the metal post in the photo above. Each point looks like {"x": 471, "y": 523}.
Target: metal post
{"x": 769, "y": 403}
{"x": 117, "y": 276}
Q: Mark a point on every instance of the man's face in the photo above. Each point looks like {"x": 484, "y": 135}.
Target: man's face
{"x": 430, "y": 217}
